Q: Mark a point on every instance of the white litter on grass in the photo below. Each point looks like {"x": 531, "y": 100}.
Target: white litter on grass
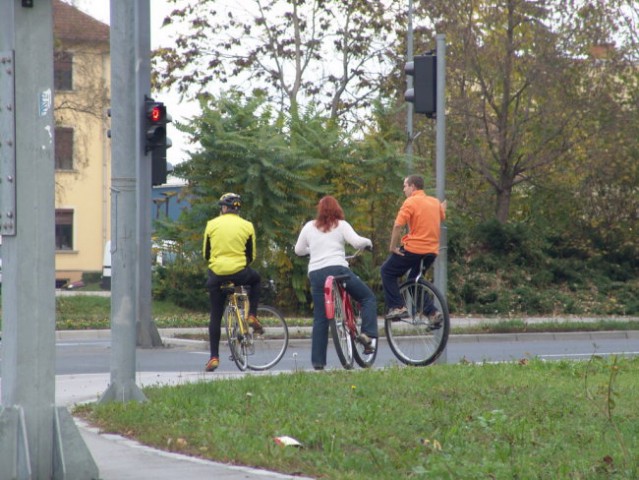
{"x": 287, "y": 441}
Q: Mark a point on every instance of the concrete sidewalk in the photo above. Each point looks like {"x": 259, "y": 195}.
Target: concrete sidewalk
{"x": 119, "y": 458}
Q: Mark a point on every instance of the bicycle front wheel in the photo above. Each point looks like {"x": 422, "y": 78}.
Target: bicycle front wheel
{"x": 339, "y": 330}
{"x": 265, "y": 351}
{"x": 417, "y": 340}
{"x": 235, "y": 338}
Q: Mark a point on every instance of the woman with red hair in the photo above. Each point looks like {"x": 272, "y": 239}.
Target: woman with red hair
{"x": 324, "y": 239}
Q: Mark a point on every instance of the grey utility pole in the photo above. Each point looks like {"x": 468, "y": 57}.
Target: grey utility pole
{"x": 147, "y": 332}
{"x": 441, "y": 271}
{"x": 409, "y": 85}
{"x": 125, "y": 117}
{"x": 37, "y": 439}
{"x": 441, "y": 264}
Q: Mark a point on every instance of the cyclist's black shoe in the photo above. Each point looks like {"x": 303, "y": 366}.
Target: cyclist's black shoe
{"x": 397, "y": 313}
{"x": 436, "y": 319}
{"x": 318, "y": 367}
{"x": 258, "y": 329}
{"x": 369, "y": 347}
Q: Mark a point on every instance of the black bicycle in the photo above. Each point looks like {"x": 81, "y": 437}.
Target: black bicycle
{"x": 420, "y": 338}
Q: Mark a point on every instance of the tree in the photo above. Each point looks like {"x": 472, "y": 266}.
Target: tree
{"x": 519, "y": 80}
{"x": 244, "y": 150}
{"x": 330, "y": 53}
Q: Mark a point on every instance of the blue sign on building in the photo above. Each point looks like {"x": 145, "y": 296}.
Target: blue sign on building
{"x": 167, "y": 201}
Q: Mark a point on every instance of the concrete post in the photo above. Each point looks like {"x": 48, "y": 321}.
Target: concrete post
{"x": 441, "y": 264}
{"x": 409, "y": 79}
{"x": 125, "y": 116}
{"x": 37, "y": 440}
{"x": 147, "y": 332}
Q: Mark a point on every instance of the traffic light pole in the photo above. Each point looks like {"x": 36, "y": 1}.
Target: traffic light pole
{"x": 147, "y": 332}
{"x": 125, "y": 146}
{"x": 441, "y": 264}
{"x": 37, "y": 439}
{"x": 409, "y": 81}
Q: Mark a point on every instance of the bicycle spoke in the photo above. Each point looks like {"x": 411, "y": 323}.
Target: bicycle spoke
{"x": 265, "y": 351}
{"x": 363, "y": 359}
{"x": 341, "y": 336}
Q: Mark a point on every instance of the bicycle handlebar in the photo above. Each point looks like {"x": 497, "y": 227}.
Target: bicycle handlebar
{"x": 358, "y": 252}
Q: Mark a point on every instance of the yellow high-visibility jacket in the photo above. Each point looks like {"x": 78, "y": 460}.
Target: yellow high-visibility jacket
{"x": 229, "y": 244}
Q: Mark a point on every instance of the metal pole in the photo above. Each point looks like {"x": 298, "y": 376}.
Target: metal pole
{"x": 147, "y": 332}
{"x": 37, "y": 440}
{"x": 409, "y": 80}
{"x": 441, "y": 264}
{"x": 125, "y": 115}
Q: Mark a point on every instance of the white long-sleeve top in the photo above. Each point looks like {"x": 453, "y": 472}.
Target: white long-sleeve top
{"x": 327, "y": 248}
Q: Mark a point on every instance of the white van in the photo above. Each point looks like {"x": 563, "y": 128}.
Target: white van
{"x": 105, "y": 281}
{"x": 163, "y": 253}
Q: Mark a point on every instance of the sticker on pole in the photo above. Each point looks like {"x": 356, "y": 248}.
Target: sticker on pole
{"x": 45, "y": 102}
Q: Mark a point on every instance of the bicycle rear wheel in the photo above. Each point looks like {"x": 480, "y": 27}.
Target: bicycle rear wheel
{"x": 339, "y": 331}
{"x": 235, "y": 338}
{"x": 415, "y": 340}
{"x": 265, "y": 351}
{"x": 364, "y": 360}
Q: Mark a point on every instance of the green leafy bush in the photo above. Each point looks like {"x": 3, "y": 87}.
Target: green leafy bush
{"x": 183, "y": 284}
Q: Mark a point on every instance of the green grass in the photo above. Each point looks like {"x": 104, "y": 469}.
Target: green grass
{"x": 526, "y": 420}
{"x": 522, "y": 326}
{"x": 93, "y": 312}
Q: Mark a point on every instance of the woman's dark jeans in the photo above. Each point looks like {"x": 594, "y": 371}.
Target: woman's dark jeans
{"x": 357, "y": 289}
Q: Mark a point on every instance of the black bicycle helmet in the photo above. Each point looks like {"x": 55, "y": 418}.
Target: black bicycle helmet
{"x": 232, "y": 200}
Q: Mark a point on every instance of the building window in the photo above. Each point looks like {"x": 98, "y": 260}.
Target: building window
{"x": 63, "y": 71}
{"x": 63, "y": 148}
{"x": 64, "y": 229}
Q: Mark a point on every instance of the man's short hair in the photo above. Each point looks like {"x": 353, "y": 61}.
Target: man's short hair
{"x": 416, "y": 181}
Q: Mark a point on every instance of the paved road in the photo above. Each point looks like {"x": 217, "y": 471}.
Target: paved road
{"x": 93, "y": 355}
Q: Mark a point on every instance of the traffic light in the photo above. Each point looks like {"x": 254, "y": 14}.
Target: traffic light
{"x": 156, "y": 141}
{"x": 423, "y": 95}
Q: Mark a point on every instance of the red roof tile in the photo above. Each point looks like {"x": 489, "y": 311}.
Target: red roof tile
{"x": 71, "y": 24}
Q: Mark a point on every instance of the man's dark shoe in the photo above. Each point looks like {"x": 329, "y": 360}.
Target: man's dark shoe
{"x": 436, "y": 319}
{"x": 258, "y": 329}
{"x": 397, "y": 313}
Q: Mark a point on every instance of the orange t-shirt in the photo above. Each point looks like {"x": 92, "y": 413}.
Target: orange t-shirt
{"x": 423, "y": 215}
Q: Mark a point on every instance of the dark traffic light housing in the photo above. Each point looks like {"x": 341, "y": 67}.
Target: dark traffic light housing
{"x": 423, "y": 95}
{"x": 156, "y": 141}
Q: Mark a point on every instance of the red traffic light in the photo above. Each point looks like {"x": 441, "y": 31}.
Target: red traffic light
{"x": 156, "y": 114}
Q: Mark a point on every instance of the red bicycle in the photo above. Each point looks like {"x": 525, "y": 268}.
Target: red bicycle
{"x": 343, "y": 314}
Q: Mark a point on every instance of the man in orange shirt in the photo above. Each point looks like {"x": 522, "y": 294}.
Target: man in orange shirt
{"x": 423, "y": 215}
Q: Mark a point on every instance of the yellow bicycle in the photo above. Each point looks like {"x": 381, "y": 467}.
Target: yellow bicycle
{"x": 250, "y": 350}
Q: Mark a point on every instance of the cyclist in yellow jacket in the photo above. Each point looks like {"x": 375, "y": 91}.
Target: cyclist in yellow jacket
{"x": 229, "y": 247}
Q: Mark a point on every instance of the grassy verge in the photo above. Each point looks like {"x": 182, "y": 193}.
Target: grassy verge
{"x": 531, "y": 420}
{"x": 93, "y": 312}
{"x": 523, "y": 326}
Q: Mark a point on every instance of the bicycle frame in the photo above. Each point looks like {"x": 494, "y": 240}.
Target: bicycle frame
{"x": 329, "y": 306}
{"x": 250, "y": 350}
{"x": 238, "y": 302}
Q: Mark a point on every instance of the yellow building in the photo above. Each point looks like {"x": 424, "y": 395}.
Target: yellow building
{"x": 82, "y": 148}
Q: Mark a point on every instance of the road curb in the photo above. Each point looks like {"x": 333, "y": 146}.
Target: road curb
{"x": 169, "y": 335}
{"x": 471, "y": 338}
